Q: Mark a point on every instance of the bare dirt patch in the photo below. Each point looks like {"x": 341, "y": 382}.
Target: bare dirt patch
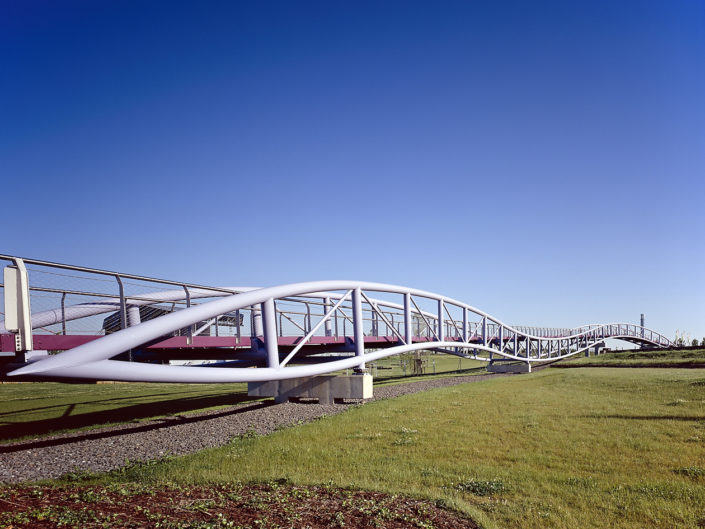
{"x": 270, "y": 505}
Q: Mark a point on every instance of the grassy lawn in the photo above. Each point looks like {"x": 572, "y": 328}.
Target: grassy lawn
{"x": 41, "y": 408}
{"x": 638, "y": 358}
{"x": 400, "y": 368}
{"x": 558, "y": 448}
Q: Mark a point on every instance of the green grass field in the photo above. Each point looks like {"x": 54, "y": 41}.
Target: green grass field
{"x": 639, "y": 358}
{"x": 565, "y": 448}
{"x": 401, "y": 367}
{"x": 558, "y": 448}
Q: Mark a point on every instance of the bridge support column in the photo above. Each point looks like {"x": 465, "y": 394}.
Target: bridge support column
{"x": 256, "y": 315}
{"x": 408, "y": 332}
{"x": 358, "y": 328}
{"x": 270, "y": 333}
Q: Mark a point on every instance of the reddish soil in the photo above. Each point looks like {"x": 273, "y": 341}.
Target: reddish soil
{"x": 270, "y": 505}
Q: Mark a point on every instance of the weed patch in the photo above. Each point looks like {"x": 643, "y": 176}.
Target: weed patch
{"x": 479, "y": 487}
{"x": 691, "y": 472}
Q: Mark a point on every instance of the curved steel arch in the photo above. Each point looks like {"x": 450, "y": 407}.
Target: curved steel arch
{"x": 444, "y": 333}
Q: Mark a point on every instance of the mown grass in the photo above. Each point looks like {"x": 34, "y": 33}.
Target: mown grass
{"x": 41, "y": 408}
{"x": 558, "y": 448}
{"x": 399, "y": 369}
{"x": 639, "y": 358}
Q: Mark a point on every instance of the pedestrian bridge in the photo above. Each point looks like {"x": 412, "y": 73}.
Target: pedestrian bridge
{"x": 113, "y": 326}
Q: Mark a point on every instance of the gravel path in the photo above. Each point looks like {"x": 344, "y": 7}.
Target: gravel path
{"x": 108, "y": 448}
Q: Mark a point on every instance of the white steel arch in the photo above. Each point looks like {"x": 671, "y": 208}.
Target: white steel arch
{"x": 354, "y": 300}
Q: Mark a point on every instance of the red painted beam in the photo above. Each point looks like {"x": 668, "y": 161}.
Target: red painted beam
{"x": 54, "y": 342}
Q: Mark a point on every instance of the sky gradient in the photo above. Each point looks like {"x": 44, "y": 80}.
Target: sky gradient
{"x": 542, "y": 161}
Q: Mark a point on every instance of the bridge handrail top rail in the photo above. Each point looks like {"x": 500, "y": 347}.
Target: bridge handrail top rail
{"x": 116, "y": 274}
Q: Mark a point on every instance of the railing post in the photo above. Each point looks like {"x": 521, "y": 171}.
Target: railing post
{"x": 270, "y": 333}
{"x": 189, "y": 332}
{"x": 123, "y": 308}
{"x": 326, "y": 308}
{"x": 358, "y": 329}
{"x": 238, "y": 327}
{"x": 18, "y": 313}
{"x": 63, "y": 313}
{"x": 337, "y": 333}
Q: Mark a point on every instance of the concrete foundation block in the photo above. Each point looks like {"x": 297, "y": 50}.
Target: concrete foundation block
{"x": 325, "y": 388}
{"x": 509, "y": 368}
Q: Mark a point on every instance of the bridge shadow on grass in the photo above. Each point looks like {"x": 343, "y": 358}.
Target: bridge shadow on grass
{"x": 91, "y": 402}
{"x": 648, "y": 417}
{"x": 166, "y": 422}
{"x": 120, "y": 415}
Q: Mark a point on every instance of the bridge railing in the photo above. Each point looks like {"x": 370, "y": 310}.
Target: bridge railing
{"x": 72, "y": 300}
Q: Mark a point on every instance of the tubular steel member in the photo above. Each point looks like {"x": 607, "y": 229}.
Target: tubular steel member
{"x": 358, "y": 330}
{"x": 92, "y": 360}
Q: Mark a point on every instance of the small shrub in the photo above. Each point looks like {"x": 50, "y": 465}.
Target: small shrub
{"x": 691, "y": 472}
{"x": 77, "y": 475}
{"x": 582, "y": 483}
{"x": 481, "y": 488}
{"x": 677, "y": 402}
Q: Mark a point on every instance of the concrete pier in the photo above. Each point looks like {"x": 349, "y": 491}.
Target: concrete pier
{"x": 509, "y": 368}
{"x": 326, "y": 388}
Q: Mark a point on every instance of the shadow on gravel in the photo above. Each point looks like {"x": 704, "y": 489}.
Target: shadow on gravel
{"x": 121, "y": 415}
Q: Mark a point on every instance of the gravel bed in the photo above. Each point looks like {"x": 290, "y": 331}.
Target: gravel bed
{"x": 109, "y": 448}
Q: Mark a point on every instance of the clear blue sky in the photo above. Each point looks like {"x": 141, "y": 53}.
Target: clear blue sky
{"x": 543, "y": 161}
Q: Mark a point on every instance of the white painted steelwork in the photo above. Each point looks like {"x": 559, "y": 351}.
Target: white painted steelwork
{"x": 446, "y": 333}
